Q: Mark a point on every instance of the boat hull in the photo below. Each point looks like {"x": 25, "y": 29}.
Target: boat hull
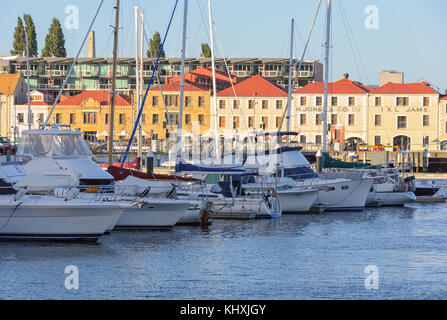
{"x": 390, "y": 198}
{"x": 297, "y": 201}
{"x": 55, "y": 219}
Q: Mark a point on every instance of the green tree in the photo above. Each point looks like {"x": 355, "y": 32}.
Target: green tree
{"x": 206, "y": 51}
{"x": 54, "y": 41}
{"x": 32, "y": 36}
{"x": 19, "y": 45}
{"x": 154, "y": 46}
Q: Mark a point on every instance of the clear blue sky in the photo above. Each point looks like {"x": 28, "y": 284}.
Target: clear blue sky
{"x": 412, "y": 34}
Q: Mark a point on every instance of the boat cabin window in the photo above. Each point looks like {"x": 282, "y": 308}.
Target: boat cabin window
{"x": 53, "y": 145}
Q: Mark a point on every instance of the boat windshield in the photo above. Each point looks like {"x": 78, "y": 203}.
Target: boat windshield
{"x": 57, "y": 145}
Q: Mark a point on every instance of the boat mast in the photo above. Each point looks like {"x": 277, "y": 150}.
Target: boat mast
{"x": 27, "y": 76}
{"x": 112, "y": 105}
{"x": 216, "y": 134}
{"x": 140, "y": 132}
{"x": 182, "y": 85}
{"x": 289, "y": 97}
{"x": 137, "y": 74}
{"x": 326, "y": 72}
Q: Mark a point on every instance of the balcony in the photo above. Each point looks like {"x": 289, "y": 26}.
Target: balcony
{"x": 31, "y": 73}
{"x": 103, "y": 86}
{"x": 241, "y": 73}
{"x": 147, "y": 73}
{"x": 89, "y": 73}
{"x": 272, "y": 73}
{"x": 55, "y": 73}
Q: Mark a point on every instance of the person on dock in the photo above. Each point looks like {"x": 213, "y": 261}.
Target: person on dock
{"x": 204, "y": 214}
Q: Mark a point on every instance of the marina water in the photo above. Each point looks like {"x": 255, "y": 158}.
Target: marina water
{"x": 310, "y": 256}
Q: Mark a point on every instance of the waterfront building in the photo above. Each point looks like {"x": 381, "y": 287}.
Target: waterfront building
{"x": 13, "y": 91}
{"x": 40, "y": 104}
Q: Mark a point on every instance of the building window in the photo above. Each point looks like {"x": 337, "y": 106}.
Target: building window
{"x": 378, "y": 101}
{"x": 221, "y": 122}
{"x": 155, "y": 101}
{"x": 251, "y": 121}
{"x": 265, "y": 104}
{"x": 351, "y": 119}
{"x": 72, "y": 118}
{"x": 106, "y": 118}
{"x": 155, "y": 119}
{"x": 318, "y": 119}
{"x": 425, "y": 142}
{"x": 334, "y": 101}
{"x": 318, "y": 101}
{"x": 377, "y": 140}
{"x": 318, "y": 139}
{"x": 278, "y": 104}
{"x": 425, "y": 120}
{"x": 235, "y": 122}
{"x": 171, "y": 100}
{"x": 40, "y": 117}
{"x": 173, "y": 118}
{"x": 89, "y": 117}
{"x": 302, "y": 139}
{"x": 187, "y": 118}
{"x": 201, "y": 101}
{"x": 401, "y": 122}
{"x": 236, "y": 104}
{"x": 201, "y": 119}
{"x": 143, "y": 118}
{"x": 222, "y": 104}
{"x": 122, "y": 118}
{"x": 426, "y": 101}
{"x": 333, "y": 119}
{"x": 278, "y": 121}
{"x": 378, "y": 120}
{"x": 303, "y": 101}
{"x": 188, "y": 101}
{"x": 351, "y": 101}
{"x": 251, "y": 104}
{"x": 265, "y": 122}
{"x": 59, "y": 118}
{"x": 303, "y": 119}
{"x": 402, "y": 101}
{"x": 20, "y": 118}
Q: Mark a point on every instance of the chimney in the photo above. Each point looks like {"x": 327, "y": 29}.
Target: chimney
{"x": 346, "y": 75}
{"x": 91, "y": 44}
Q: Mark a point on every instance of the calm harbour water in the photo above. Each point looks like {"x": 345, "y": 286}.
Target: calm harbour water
{"x": 316, "y": 256}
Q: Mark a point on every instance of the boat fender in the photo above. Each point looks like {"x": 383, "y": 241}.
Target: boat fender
{"x": 71, "y": 194}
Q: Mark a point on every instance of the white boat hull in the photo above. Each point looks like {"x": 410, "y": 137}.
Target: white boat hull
{"x": 390, "y": 198}
{"x": 296, "y": 200}
{"x": 348, "y": 195}
{"x": 191, "y": 215}
{"x": 155, "y": 213}
{"x": 246, "y": 208}
{"x": 42, "y": 217}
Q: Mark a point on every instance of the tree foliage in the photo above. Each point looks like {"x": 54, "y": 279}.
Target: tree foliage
{"x": 54, "y": 41}
{"x": 206, "y": 51}
{"x": 32, "y": 36}
{"x": 154, "y": 46}
{"x": 19, "y": 45}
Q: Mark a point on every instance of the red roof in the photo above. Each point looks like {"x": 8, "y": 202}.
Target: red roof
{"x": 36, "y": 103}
{"x": 443, "y": 97}
{"x": 254, "y": 86}
{"x": 205, "y": 72}
{"x": 405, "y": 88}
{"x": 102, "y": 96}
{"x": 176, "y": 87}
{"x": 341, "y": 86}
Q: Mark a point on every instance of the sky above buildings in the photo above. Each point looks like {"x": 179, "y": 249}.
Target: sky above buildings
{"x": 368, "y": 35}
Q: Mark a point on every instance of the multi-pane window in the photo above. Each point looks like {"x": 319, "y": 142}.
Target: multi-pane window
{"x": 59, "y": 117}
{"x": 302, "y": 139}
{"x": 426, "y": 101}
{"x": 20, "y": 118}
{"x": 221, "y": 122}
{"x": 278, "y": 104}
{"x": 351, "y": 119}
{"x": 155, "y": 118}
{"x": 201, "y": 101}
{"x": 265, "y": 122}
{"x": 122, "y": 118}
{"x": 303, "y": 101}
{"x": 143, "y": 118}
{"x": 378, "y": 101}
{"x": 425, "y": 141}
{"x": 106, "y": 118}
{"x": 334, "y": 101}
{"x": 318, "y": 139}
{"x": 251, "y": 104}
{"x": 155, "y": 101}
{"x": 378, "y": 120}
{"x": 72, "y": 118}
{"x": 222, "y": 104}
{"x": 318, "y": 119}
{"x": 425, "y": 120}
{"x": 236, "y": 104}
{"x": 188, "y": 101}
{"x": 278, "y": 121}
{"x": 235, "y": 122}
{"x": 318, "y": 101}
{"x": 89, "y": 117}
{"x": 201, "y": 119}
{"x": 171, "y": 100}
{"x": 402, "y": 101}
{"x": 333, "y": 119}
{"x": 173, "y": 118}
{"x": 302, "y": 119}
{"x": 251, "y": 122}
{"x": 265, "y": 104}
{"x": 351, "y": 101}
{"x": 187, "y": 118}
{"x": 401, "y": 122}
{"x": 377, "y": 140}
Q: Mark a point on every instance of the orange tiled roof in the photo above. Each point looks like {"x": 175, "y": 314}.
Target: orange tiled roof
{"x": 405, "y": 88}
{"x": 254, "y": 86}
{"x": 102, "y": 96}
{"x": 205, "y": 72}
{"x": 443, "y": 97}
{"x": 36, "y": 103}
{"x": 176, "y": 87}
{"x": 341, "y": 86}
{"x": 8, "y": 83}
